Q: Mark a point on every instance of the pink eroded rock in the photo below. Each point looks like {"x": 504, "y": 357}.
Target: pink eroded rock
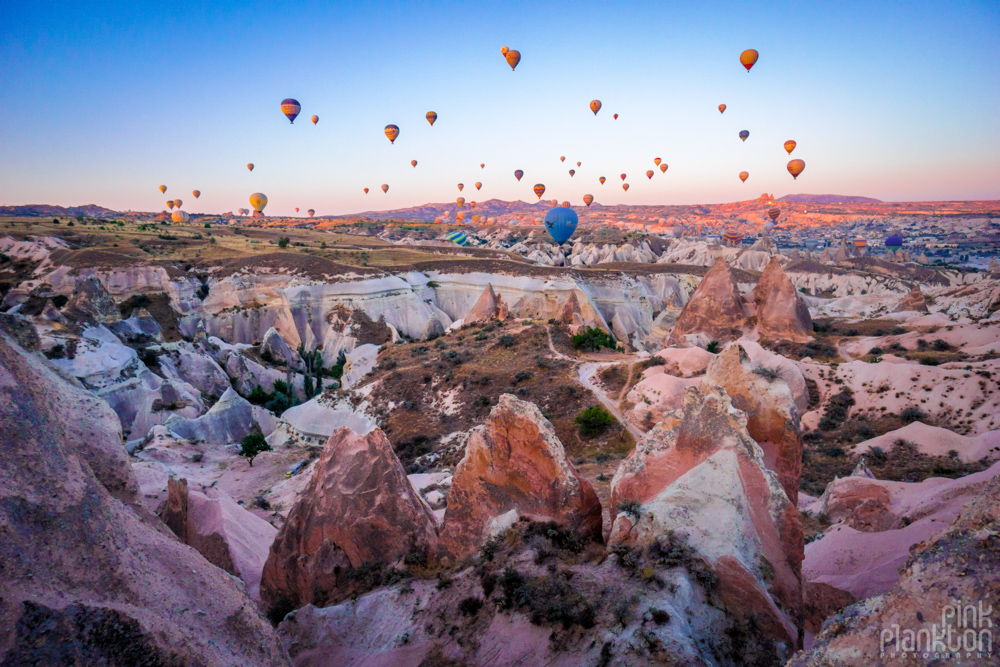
{"x": 489, "y": 306}
{"x": 715, "y": 308}
{"x": 781, "y": 313}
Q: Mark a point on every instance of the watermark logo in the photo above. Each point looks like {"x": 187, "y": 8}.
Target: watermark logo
{"x": 965, "y": 632}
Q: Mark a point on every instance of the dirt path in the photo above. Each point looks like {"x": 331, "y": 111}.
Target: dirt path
{"x": 585, "y": 373}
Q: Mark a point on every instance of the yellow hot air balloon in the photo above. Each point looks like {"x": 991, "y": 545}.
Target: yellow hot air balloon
{"x": 460, "y": 217}
{"x": 314, "y": 119}
{"x": 588, "y": 199}
{"x": 170, "y": 204}
{"x": 657, "y": 161}
{"x": 366, "y": 190}
{"x": 478, "y": 185}
{"x": 504, "y": 50}
{"x": 475, "y": 218}
{"x": 431, "y": 117}
{"x": 722, "y": 108}
{"x": 602, "y": 179}
{"x": 413, "y": 163}
{"x": 460, "y": 201}
{"x": 513, "y": 58}
{"x": 461, "y": 186}
{"x": 385, "y": 187}
{"x": 795, "y": 168}
{"x": 539, "y": 190}
{"x": 179, "y": 216}
{"x": 790, "y": 146}
{"x": 748, "y": 58}
{"x": 196, "y": 193}
{"x": 744, "y": 175}
{"x": 250, "y": 166}
{"x": 258, "y": 200}
{"x": 392, "y": 132}
{"x": 625, "y": 187}
{"x": 663, "y": 167}
{"x": 649, "y": 174}
{"x": 595, "y": 106}
{"x": 163, "y": 188}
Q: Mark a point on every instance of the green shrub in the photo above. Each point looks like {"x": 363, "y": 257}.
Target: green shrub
{"x": 713, "y": 347}
{"x": 593, "y": 421}
{"x": 253, "y": 444}
{"x": 593, "y": 339}
{"x": 283, "y": 241}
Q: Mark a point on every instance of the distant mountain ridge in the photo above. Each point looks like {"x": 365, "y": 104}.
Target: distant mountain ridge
{"x": 830, "y": 199}
{"x": 45, "y": 210}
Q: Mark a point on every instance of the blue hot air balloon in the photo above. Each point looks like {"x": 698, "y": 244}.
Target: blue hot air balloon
{"x": 894, "y": 242}
{"x": 560, "y": 223}
{"x": 458, "y": 237}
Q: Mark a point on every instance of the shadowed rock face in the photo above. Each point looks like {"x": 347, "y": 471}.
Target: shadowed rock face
{"x": 91, "y": 303}
{"x": 515, "y": 464}
{"x": 861, "y": 503}
{"x": 715, "y": 309}
{"x": 359, "y": 509}
{"x": 772, "y": 420}
{"x": 88, "y": 576}
{"x": 488, "y": 307}
{"x": 781, "y": 313}
{"x": 914, "y": 300}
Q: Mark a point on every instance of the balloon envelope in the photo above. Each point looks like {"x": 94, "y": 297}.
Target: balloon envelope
{"x": 649, "y": 174}
{"x": 392, "y": 132}
{"x": 504, "y": 50}
{"x": 588, "y": 199}
{"x": 774, "y": 213}
{"x": 290, "y": 108}
{"x": 163, "y": 188}
{"x": 595, "y": 106}
{"x": 196, "y": 193}
{"x": 744, "y": 175}
{"x": 562, "y": 158}
{"x": 177, "y": 203}
{"x": 478, "y": 185}
{"x": 385, "y": 187}
{"x": 795, "y": 167}
{"x": 744, "y": 134}
{"x": 722, "y": 108}
{"x": 560, "y": 223}
{"x": 461, "y": 186}
{"x": 602, "y": 179}
{"x": 894, "y": 242}
{"x": 366, "y": 190}
{"x": 657, "y": 161}
{"x": 623, "y": 177}
{"x": 250, "y": 166}
{"x": 513, "y": 58}
{"x": 748, "y": 58}
{"x": 539, "y": 190}
{"x": 811, "y": 244}
{"x": 314, "y": 119}
{"x": 179, "y": 216}
{"x": 625, "y": 187}
{"x": 431, "y": 117}
{"x": 663, "y": 167}
{"x": 457, "y": 237}
{"x": 460, "y": 201}
{"x": 311, "y": 212}
{"x": 616, "y": 116}
{"x": 518, "y": 174}
{"x": 413, "y": 163}
{"x": 571, "y": 172}
{"x": 258, "y": 200}
{"x": 170, "y": 204}
{"x": 790, "y": 146}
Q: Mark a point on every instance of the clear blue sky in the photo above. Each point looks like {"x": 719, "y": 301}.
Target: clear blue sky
{"x": 102, "y": 102}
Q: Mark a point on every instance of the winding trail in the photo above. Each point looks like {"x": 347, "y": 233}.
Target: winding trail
{"x": 585, "y": 373}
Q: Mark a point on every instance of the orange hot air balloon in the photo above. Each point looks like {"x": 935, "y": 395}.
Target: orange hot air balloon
{"x": 413, "y": 163}
{"x": 250, "y": 166}
{"x": 311, "y": 212}
{"x": 392, "y": 132}
{"x": 744, "y": 175}
{"x": 649, "y": 174}
{"x": 513, "y": 58}
{"x": 795, "y": 168}
{"x": 478, "y": 185}
{"x": 616, "y": 116}
{"x": 296, "y": 209}
{"x": 722, "y": 108}
{"x": 562, "y": 158}
{"x": 461, "y": 186}
{"x": 385, "y": 188}
{"x": 602, "y": 179}
{"x": 623, "y": 177}
{"x": 663, "y": 167}
{"x": 366, "y": 190}
{"x": 571, "y": 172}
{"x": 163, "y": 188}
{"x": 290, "y": 108}
{"x": 539, "y": 190}
{"x": 588, "y": 199}
{"x": 554, "y": 202}
{"x": 565, "y": 204}
{"x": 482, "y": 165}
{"x": 431, "y": 117}
{"x": 518, "y": 174}
{"x": 595, "y": 106}
{"x": 625, "y": 187}
{"x": 657, "y": 161}
{"x": 748, "y": 58}
{"x": 170, "y": 204}
{"x": 790, "y": 146}
{"x": 196, "y": 193}
{"x": 177, "y": 203}
{"x": 460, "y": 217}
{"x": 314, "y": 119}
{"x": 460, "y": 201}
{"x": 504, "y": 50}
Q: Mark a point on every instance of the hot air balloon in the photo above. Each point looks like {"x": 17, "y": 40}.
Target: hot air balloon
{"x": 744, "y": 175}
{"x": 663, "y": 167}
{"x": 366, "y": 190}
{"x": 482, "y": 165}
{"x": 290, "y": 108}
{"x": 163, "y": 189}
{"x": 296, "y": 209}
{"x": 170, "y": 204}
{"x": 258, "y": 200}
{"x": 623, "y": 177}
{"x": 460, "y": 217}
{"x": 460, "y": 201}
{"x": 431, "y": 117}
{"x": 625, "y": 187}
{"x": 413, "y": 163}
{"x": 472, "y": 204}
{"x": 649, "y": 174}
{"x": 250, "y": 166}
{"x": 196, "y": 193}
{"x": 774, "y": 213}
{"x": 894, "y": 242}
{"x": 385, "y": 188}
{"x": 595, "y": 106}
{"x": 565, "y": 204}
{"x": 616, "y": 116}
{"x": 560, "y": 223}
{"x": 311, "y": 212}
{"x": 795, "y": 168}
{"x": 677, "y": 230}
{"x": 790, "y": 146}
{"x": 518, "y": 174}
{"x": 461, "y": 186}
{"x": 457, "y": 237}
{"x": 571, "y": 172}
{"x": 748, "y": 58}
{"x": 588, "y": 199}
{"x": 475, "y": 219}
{"x": 657, "y": 161}
{"x": 392, "y": 132}
{"x": 179, "y": 216}
{"x": 732, "y": 237}
{"x": 555, "y": 202}
{"x": 811, "y": 244}
{"x": 744, "y": 134}
{"x": 768, "y": 227}
{"x": 314, "y": 119}
{"x": 478, "y": 185}
{"x": 539, "y": 190}
{"x": 578, "y": 163}
{"x": 513, "y": 58}
{"x": 504, "y": 50}
{"x": 177, "y": 203}
{"x": 860, "y": 242}
{"x": 562, "y": 158}
{"x": 602, "y": 179}
{"x": 722, "y": 108}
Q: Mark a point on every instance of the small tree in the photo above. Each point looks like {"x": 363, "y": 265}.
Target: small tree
{"x": 594, "y": 421}
{"x": 592, "y": 339}
{"x": 283, "y": 241}
{"x": 252, "y": 445}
